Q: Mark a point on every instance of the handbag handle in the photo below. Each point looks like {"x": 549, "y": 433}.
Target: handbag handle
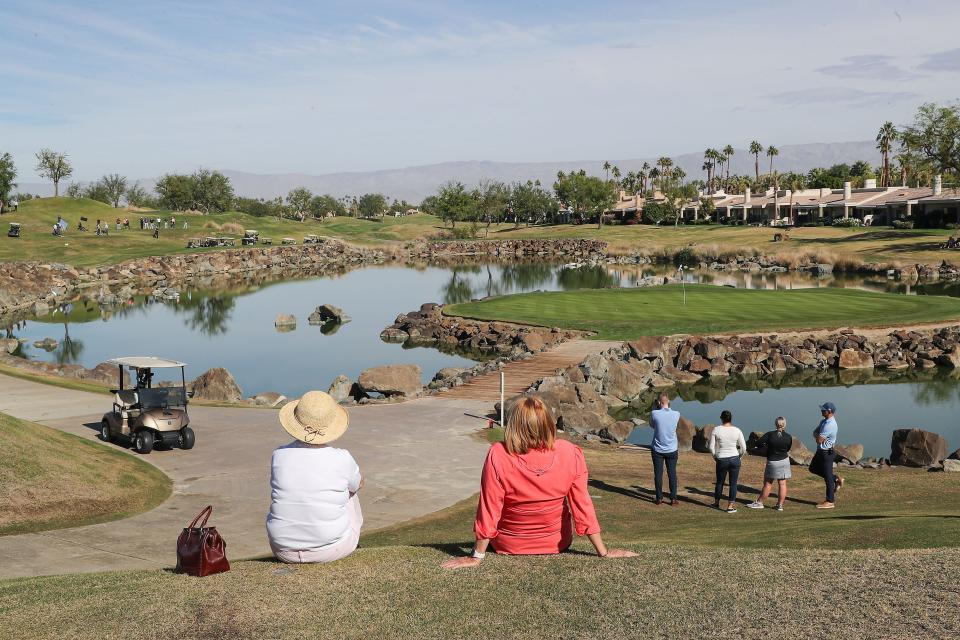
{"x": 205, "y": 514}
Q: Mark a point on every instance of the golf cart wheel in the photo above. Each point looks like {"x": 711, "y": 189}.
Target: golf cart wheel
{"x": 143, "y": 441}
{"x": 105, "y": 431}
{"x": 187, "y": 438}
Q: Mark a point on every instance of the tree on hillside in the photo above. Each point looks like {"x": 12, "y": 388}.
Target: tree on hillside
{"x": 137, "y": 196}
{"x": 299, "y": 200}
{"x": 8, "y": 173}
{"x": 934, "y": 138}
{"x": 529, "y": 201}
{"x": 606, "y": 168}
{"x": 454, "y": 203}
{"x": 756, "y": 149}
{"x": 74, "y": 190}
{"x": 96, "y": 191}
{"x": 326, "y": 204}
{"x": 53, "y": 166}
{"x": 885, "y": 139}
{"x": 494, "y": 201}
{"x": 203, "y": 190}
{"x": 371, "y": 205}
{"x": 772, "y": 152}
{"x": 114, "y": 186}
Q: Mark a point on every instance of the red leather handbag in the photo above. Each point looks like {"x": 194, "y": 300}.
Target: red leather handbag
{"x": 200, "y": 549}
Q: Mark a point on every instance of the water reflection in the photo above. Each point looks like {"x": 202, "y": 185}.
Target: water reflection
{"x": 208, "y": 314}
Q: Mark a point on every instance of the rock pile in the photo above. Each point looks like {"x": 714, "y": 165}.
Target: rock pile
{"x": 328, "y": 313}
{"x": 429, "y": 326}
{"x": 216, "y": 384}
{"x": 528, "y": 247}
{"x": 38, "y": 286}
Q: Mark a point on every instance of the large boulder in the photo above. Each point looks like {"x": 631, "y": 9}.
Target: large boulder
{"x": 855, "y": 359}
{"x": 269, "y": 399}
{"x": 650, "y": 347}
{"x": 951, "y": 358}
{"x": 626, "y": 380}
{"x": 108, "y": 374}
{"x": 391, "y": 380}
{"x": 753, "y": 444}
{"x": 217, "y": 384}
{"x": 582, "y": 421}
{"x": 799, "y": 454}
{"x": 849, "y": 452}
{"x": 285, "y": 322}
{"x": 328, "y": 313}
{"x": 951, "y": 465}
{"x": 685, "y": 433}
{"x": 9, "y": 345}
{"x": 344, "y": 390}
{"x": 917, "y": 448}
{"x": 701, "y": 438}
{"x": 618, "y": 431}
{"x": 549, "y": 399}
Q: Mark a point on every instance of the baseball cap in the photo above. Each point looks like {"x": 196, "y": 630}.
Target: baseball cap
{"x": 828, "y": 406}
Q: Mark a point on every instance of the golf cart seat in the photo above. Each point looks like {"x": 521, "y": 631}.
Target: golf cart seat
{"x": 126, "y": 399}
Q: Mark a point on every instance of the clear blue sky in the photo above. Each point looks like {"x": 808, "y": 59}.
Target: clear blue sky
{"x": 142, "y": 88}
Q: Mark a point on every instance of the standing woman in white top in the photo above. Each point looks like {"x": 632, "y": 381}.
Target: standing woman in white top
{"x": 314, "y": 510}
{"x": 727, "y": 446}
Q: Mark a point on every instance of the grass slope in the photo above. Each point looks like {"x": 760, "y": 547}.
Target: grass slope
{"x": 87, "y": 249}
{"x": 827, "y": 567}
{"x": 622, "y": 314}
{"x": 50, "y": 480}
{"x": 830, "y": 244}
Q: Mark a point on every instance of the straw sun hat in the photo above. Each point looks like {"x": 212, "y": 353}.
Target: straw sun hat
{"x": 316, "y": 418}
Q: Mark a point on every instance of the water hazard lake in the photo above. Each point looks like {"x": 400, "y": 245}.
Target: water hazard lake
{"x": 233, "y": 327}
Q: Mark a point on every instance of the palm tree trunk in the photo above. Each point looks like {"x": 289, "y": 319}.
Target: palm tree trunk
{"x": 756, "y": 165}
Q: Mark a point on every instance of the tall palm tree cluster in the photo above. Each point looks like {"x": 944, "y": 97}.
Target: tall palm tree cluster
{"x": 717, "y": 166}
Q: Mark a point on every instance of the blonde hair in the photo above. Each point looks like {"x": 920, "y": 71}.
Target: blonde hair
{"x": 530, "y": 426}
{"x": 780, "y": 423}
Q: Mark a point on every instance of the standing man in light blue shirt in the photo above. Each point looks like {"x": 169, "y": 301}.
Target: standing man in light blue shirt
{"x": 822, "y": 465}
{"x": 664, "y": 447}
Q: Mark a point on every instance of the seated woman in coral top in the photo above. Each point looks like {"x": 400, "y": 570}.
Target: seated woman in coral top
{"x": 533, "y": 492}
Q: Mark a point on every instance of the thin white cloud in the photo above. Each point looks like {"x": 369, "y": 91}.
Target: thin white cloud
{"x": 872, "y": 67}
{"x": 942, "y": 61}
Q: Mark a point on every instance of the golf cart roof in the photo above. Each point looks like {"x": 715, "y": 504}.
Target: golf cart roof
{"x": 14, "y": 224}
{"x": 146, "y": 362}
{"x": 249, "y": 231}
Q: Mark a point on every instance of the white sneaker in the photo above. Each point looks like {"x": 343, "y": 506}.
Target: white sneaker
{"x": 755, "y": 505}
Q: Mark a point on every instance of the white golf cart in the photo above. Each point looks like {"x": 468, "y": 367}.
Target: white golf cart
{"x": 145, "y": 415}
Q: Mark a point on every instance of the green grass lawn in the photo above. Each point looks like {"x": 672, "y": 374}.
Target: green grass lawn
{"x": 701, "y": 573}
{"x": 829, "y": 244}
{"x": 623, "y": 314}
{"x": 50, "y": 480}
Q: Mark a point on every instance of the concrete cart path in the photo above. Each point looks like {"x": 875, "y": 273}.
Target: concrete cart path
{"x": 416, "y": 457}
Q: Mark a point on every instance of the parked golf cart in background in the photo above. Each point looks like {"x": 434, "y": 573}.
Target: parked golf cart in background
{"x": 250, "y": 237}
{"x": 14, "y": 231}
{"x": 145, "y": 415}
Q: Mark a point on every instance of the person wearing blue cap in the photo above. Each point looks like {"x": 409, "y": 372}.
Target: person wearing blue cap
{"x": 822, "y": 464}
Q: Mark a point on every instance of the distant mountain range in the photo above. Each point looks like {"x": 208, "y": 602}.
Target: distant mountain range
{"x": 414, "y": 183}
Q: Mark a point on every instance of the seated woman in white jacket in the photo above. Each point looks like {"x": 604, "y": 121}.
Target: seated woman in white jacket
{"x": 727, "y": 446}
{"x": 314, "y": 510}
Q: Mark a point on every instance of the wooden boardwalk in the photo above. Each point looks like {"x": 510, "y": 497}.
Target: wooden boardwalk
{"x": 523, "y": 373}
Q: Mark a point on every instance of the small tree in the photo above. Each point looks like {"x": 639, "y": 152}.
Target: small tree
{"x": 494, "y": 199}
{"x": 97, "y": 191}
{"x": 114, "y": 185}
{"x": 8, "y": 173}
{"x": 54, "y": 166}
{"x": 320, "y": 206}
{"x": 454, "y": 203}
{"x": 137, "y": 196}
{"x": 934, "y": 138}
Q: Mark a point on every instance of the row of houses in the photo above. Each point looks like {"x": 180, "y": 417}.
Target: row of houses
{"x": 924, "y": 206}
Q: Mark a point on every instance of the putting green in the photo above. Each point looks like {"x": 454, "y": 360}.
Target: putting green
{"x": 622, "y": 314}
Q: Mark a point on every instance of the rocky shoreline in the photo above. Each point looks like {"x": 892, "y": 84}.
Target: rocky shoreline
{"x": 587, "y": 397}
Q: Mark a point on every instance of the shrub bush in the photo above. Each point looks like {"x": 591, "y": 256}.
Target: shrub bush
{"x": 232, "y": 228}
{"x": 902, "y": 224}
{"x": 847, "y": 222}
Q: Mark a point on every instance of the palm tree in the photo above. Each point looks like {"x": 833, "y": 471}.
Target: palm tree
{"x": 728, "y": 152}
{"x": 665, "y": 163}
{"x": 756, "y": 149}
{"x": 708, "y": 167}
{"x": 645, "y": 174}
{"x": 606, "y": 168}
{"x": 654, "y": 174}
{"x": 885, "y": 139}
{"x": 772, "y": 152}
{"x": 616, "y": 173}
